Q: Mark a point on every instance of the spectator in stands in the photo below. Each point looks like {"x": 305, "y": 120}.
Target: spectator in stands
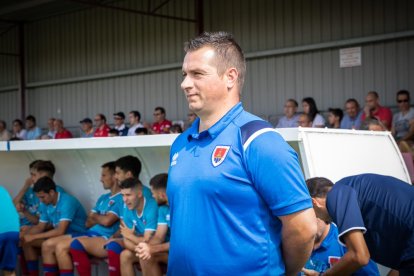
{"x": 327, "y": 251}
{"x": 176, "y": 128}
{"x": 352, "y": 118}
{"x": 87, "y": 130}
{"x": 51, "y": 128}
{"x": 33, "y": 132}
{"x": 134, "y": 122}
{"x": 403, "y": 122}
{"x": 141, "y": 131}
{"x": 19, "y": 133}
{"x": 161, "y": 124}
{"x": 9, "y": 234}
{"x": 290, "y": 119}
{"x": 309, "y": 107}
{"x": 4, "y": 133}
{"x": 61, "y": 131}
{"x": 119, "y": 119}
{"x": 102, "y": 129}
{"x": 335, "y": 117}
{"x": 62, "y": 218}
{"x": 113, "y": 132}
{"x": 155, "y": 252}
{"x": 374, "y": 125}
{"x": 374, "y": 218}
{"x": 304, "y": 120}
{"x": 191, "y": 116}
{"x": 102, "y": 223}
{"x": 138, "y": 224}
{"x": 373, "y": 109}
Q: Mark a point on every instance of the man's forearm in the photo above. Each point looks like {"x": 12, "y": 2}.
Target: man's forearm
{"x": 345, "y": 266}
{"x": 157, "y": 248}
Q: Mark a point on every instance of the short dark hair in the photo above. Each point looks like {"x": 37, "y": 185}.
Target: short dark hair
{"x": 114, "y": 131}
{"x": 129, "y": 163}
{"x": 31, "y": 118}
{"x": 373, "y": 93}
{"x": 293, "y": 101}
{"x": 136, "y": 114}
{"x": 337, "y": 112}
{"x": 32, "y": 164}
{"x": 103, "y": 117}
{"x": 160, "y": 109}
{"x": 403, "y": 92}
{"x": 110, "y": 166}
{"x": 229, "y": 53}
{"x": 352, "y": 100}
{"x": 45, "y": 166}
{"x": 18, "y": 121}
{"x": 139, "y": 130}
{"x": 159, "y": 181}
{"x": 44, "y": 184}
{"x": 319, "y": 186}
{"x": 130, "y": 183}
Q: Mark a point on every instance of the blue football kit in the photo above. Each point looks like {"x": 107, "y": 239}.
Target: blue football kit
{"x": 146, "y": 221}
{"x": 226, "y": 188}
{"x": 108, "y": 203}
{"x": 67, "y": 208}
{"x": 383, "y": 208}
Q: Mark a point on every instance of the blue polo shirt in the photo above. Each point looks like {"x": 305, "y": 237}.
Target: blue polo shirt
{"x": 108, "y": 203}
{"x": 380, "y": 206}
{"x": 351, "y": 123}
{"x": 146, "y": 221}
{"x": 330, "y": 252}
{"x": 67, "y": 208}
{"x": 32, "y": 204}
{"x": 226, "y": 188}
{"x": 33, "y": 134}
{"x": 9, "y": 218}
{"x": 164, "y": 219}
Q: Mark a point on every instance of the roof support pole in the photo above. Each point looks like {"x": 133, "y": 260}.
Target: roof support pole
{"x": 199, "y": 13}
{"x": 22, "y": 70}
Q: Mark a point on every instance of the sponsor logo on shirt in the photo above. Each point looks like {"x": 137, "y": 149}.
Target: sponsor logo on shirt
{"x": 174, "y": 159}
{"x": 219, "y": 154}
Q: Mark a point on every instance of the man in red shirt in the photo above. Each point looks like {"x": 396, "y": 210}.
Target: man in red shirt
{"x": 373, "y": 109}
{"x": 102, "y": 129}
{"x": 161, "y": 125}
{"x": 61, "y": 132}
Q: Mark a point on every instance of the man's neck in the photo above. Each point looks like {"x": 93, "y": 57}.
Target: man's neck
{"x": 208, "y": 120}
{"x": 140, "y": 206}
{"x": 318, "y": 241}
{"x": 115, "y": 189}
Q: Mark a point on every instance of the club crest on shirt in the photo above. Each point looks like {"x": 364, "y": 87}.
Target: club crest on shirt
{"x": 219, "y": 154}
{"x": 333, "y": 260}
{"x": 111, "y": 202}
{"x": 174, "y": 159}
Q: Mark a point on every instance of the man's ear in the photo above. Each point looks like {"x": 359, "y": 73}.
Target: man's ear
{"x": 317, "y": 202}
{"x": 232, "y": 76}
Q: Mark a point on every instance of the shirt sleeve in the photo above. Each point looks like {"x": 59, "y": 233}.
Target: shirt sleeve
{"x": 162, "y": 215}
{"x": 95, "y": 209}
{"x": 152, "y": 218}
{"x": 274, "y": 170}
{"x": 116, "y": 205}
{"x": 43, "y": 214}
{"x": 343, "y": 207}
{"x": 68, "y": 209}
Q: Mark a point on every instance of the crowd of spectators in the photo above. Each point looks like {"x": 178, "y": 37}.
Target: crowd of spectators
{"x": 98, "y": 127}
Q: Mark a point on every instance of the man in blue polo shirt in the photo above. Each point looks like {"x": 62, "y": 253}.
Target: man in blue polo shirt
{"x": 327, "y": 252}
{"x": 238, "y": 199}
{"x": 62, "y": 217}
{"x": 9, "y": 234}
{"x": 375, "y": 218}
{"x": 138, "y": 223}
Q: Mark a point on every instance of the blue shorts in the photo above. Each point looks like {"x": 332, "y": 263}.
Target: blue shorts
{"x": 9, "y": 242}
{"x": 93, "y": 234}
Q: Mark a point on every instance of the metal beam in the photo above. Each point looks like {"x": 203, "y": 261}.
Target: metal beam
{"x": 9, "y": 54}
{"x": 18, "y": 6}
{"x": 249, "y": 56}
{"x": 159, "y": 6}
{"x": 100, "y": 5}
{"x": 199, "y": 12}
{"x": 22, "y": 72}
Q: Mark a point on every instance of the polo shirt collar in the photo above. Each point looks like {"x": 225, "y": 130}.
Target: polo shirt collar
{"x": 328, "y": 239}
{"x": 218, "y": 127}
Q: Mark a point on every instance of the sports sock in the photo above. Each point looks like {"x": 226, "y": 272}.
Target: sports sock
{"x": 114, "y": 261}
{"x": 80, "y": 258}
{"x": 33, "y": 268}
{"x": 50, "y": 269}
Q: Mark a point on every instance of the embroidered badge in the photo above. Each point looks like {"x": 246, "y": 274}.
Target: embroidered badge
{"x": 111, "y": 202}
{"x": 333, "y": 260}
{"x": 174, "y": 159}
{"x": 219, "y": 154}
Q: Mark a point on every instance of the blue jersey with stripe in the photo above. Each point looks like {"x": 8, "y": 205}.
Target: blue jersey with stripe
{"x": 380, "y": 206}
{"x": 108, "y": 203}
{"x": 9, "y": 218}
{"x": 330, "y": 252}
{"x": 164, "y": 219}
{"x": 32, "y": 204}
{"x": 67, "y": 208}
{"x": 146, "y": 221}
{"x": 226, "y": 187}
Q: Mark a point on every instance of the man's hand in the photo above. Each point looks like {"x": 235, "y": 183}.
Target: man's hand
{"x": 127, "y": 232}
{"x": 28, "y": 238}
{"x": 28, "y": 182}
{"x": 20, "y": 207}
{"x": 143, "y": 251}
{"x": 310, "y": 272}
